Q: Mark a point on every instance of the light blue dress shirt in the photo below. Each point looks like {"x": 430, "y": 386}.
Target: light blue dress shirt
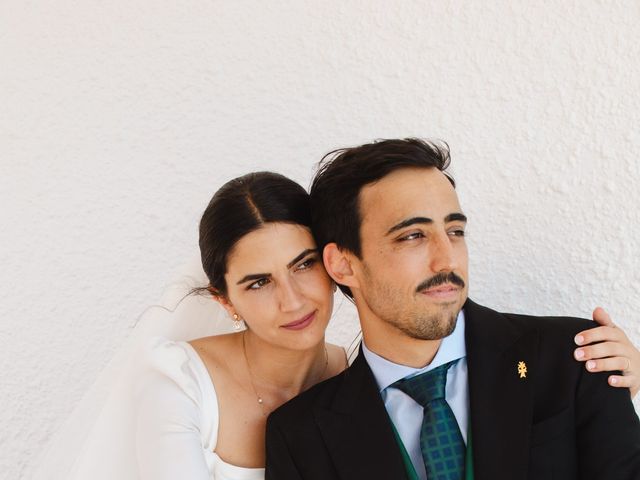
{"x": 404, "y": 412}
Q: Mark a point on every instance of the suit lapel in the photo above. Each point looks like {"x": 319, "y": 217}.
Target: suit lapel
{"x": 358, "y": 433}
{"x": 501, "y": 398}
{"x": 357, "y": 430}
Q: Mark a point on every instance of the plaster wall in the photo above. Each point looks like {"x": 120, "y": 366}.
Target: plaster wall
{"x": 120, "y": 119}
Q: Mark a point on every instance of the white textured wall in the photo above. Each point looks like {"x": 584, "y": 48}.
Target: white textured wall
{"x": 119, "y": 119}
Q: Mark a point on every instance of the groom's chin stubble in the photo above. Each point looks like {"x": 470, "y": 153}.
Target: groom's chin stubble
{"x": 430, "y": 328}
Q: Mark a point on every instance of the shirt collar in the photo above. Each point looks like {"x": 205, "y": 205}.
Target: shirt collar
{"x": 386, "y": 372}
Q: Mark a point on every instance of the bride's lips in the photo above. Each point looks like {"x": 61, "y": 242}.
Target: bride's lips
{"x": 301, "y": 323}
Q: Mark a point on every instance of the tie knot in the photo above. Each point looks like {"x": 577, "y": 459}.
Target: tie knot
{"x": 426, "y": 387}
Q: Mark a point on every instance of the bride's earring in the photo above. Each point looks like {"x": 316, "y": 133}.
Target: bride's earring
{"x": 237, "y": 322}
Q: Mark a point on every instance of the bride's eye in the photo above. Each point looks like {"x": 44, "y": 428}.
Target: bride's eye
{"x": 258, "y": 284}
{"x": 307, "y": 264}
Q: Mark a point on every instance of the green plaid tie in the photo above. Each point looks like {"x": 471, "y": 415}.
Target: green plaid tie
{"x": 443, "y": 449}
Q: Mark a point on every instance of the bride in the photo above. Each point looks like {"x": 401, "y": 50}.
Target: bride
{"x": 197, "y": 409}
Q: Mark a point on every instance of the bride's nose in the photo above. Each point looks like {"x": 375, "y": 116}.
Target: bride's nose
{"x": 289, "y": 296}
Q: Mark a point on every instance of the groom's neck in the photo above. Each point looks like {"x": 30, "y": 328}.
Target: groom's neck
{"x": 396, "y": 346}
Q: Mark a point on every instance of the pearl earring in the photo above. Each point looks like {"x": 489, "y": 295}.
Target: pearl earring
{"x": 237, "y": 322}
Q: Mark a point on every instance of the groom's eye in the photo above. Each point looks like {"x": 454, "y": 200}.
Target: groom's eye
{"x": 411, "y": 236}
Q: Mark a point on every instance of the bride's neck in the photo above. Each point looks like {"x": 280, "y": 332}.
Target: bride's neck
{"x": 287, "y": 370}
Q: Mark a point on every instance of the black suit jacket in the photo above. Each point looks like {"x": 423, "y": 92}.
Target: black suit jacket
{"x": 559, "y": 422}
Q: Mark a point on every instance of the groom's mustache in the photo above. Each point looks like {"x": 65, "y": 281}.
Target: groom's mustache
{"x": 441, "y": 279}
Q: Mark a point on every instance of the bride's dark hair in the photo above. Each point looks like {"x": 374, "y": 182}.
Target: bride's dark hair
{"x": 241, "y": 206}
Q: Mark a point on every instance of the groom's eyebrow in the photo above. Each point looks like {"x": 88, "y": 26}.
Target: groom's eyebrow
{"x": 408, "y": 222}
{"x": 455, "y": 217}
{"x": 452, "y": 217}
{"x": 258, "y": 276}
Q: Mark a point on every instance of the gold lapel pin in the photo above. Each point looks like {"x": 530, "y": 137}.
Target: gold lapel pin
{"x": 522, "y": 369}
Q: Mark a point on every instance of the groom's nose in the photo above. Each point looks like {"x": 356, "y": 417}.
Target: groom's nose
{"x": 441, "y": 253}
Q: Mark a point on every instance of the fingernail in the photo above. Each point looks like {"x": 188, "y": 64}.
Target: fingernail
{"x": 579, "y": 339}
{"x": 613, "y": 380}
{"x": 579, "y": 354}
{"x": 591, "y": 364}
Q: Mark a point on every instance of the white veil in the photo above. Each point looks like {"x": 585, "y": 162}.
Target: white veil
{"x": 97, "y": 441}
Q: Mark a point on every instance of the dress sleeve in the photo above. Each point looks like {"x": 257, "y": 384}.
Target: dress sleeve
{"x": 169, "y": 416}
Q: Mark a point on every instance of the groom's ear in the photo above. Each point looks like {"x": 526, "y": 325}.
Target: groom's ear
{"x": 337, "y": 262}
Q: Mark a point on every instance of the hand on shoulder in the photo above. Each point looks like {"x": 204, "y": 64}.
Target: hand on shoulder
{"x": 607, "y": 348}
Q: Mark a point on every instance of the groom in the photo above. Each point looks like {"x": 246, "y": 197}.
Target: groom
{"x": 442, "y": 388}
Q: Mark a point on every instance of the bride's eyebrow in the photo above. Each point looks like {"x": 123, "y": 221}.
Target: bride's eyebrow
{"x": 253, "y": 276}
{"x": 258, "y": 276}
{"x": 301, "y": 256}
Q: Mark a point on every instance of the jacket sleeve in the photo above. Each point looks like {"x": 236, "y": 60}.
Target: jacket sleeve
{"x": 607, "y": 430}
{"x": 279, "y": 465}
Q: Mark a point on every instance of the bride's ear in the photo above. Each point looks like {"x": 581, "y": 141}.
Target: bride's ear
{"x": 222, "y": 300}
{"x": 338, "y": 264}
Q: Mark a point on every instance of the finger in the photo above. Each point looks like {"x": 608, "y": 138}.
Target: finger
{"x": 612, "y": 364}
{"x": 620, "y": 381}
{"x": 600, "y": 334}
{"x": 601, "y": 316}
{"x": 601, "y": 350}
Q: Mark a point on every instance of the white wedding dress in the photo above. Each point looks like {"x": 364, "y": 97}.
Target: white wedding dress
{"x": 153, "y": 412}
{"x": 177, "y": 417}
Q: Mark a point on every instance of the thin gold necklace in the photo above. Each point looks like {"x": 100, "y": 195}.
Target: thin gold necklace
{"x": 246, "y": 359}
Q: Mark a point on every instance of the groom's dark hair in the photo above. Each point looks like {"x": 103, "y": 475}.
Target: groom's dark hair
{"x": 342, "y": 173}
